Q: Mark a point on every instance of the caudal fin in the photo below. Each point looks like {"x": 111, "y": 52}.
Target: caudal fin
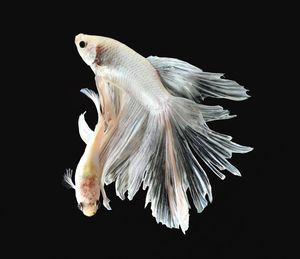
{"x": 157, "y": 150}
{"x": 165, "y": 151}
{"x": 185, "y": 132}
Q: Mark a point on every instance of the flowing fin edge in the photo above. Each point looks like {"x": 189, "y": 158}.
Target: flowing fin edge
{"x": 67, "y": 179}
{"x": 182, "y": 79}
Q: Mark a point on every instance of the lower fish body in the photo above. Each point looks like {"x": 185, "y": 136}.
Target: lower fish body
{"x": 152, "y": 129}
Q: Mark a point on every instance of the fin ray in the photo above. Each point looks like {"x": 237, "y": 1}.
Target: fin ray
{"x": 185, "y": 80}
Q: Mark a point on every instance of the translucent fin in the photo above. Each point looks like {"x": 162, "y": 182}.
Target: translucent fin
{"x": 212, "y": 113}
{"x": 142, "y": 148}
{"x": 165, "y": 151}
{"x": 124, "y": 143}
{"x": 111, "y": 100}
{"x": 84, "y": 130}
{"x": 94, "y": 97}
{"x": 110, "y": 97}
{"x": 67, "y": 180}
{"x": 212, "y": 147}
{"x": 158, "y": 151}
{"x": 185, "y": 80}
{"x": 105, "y": 199}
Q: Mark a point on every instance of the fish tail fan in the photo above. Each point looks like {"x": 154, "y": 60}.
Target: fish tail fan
{"x": 142, "y": 150}
{"x": 124, "y": 145}
{"x": 170, "y": 167}
{"x": 165, "y": 152}
{"x": 157, "y": 164}
{"x": 183, "y": 144}
{"x": 185, "y": 80}
{"x": 211, "y": 147}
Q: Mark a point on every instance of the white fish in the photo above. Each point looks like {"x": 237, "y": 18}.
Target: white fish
{"x": 151, "y": 123}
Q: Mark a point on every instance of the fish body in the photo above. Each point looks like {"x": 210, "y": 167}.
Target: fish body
{"x": 151, "y": 124}
{"x": 87, "y": 177}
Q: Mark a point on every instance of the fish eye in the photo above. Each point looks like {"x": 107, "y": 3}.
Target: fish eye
{"x": 82, "y": 44}
{"x": 80, "y": 206}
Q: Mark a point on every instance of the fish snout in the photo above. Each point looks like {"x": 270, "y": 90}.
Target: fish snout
{"x": 89, "y": 211}
{"x": 78, "y": 38}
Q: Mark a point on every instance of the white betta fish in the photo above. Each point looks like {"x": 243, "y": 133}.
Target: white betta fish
{"x": 151, "y": 124}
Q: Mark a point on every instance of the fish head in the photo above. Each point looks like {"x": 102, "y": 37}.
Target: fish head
{"x": 93, "y": 49}
{"x": 88, "y": 195}
{"x": 86, "y": 46}
{"x": 87, "y": 190}
{"x": 88, "y": 209}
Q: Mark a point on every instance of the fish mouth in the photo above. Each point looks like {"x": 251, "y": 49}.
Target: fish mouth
{"x": 89, "y": 211}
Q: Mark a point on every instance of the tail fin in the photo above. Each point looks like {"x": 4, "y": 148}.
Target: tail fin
{"x": 161, "y": 156}
{"x": 159, "y": 150}
{"x": 177, "y": 169}
{"x": 185, "y": 80}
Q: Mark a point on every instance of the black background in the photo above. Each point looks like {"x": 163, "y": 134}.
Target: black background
{"x": 234, "y": 40}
